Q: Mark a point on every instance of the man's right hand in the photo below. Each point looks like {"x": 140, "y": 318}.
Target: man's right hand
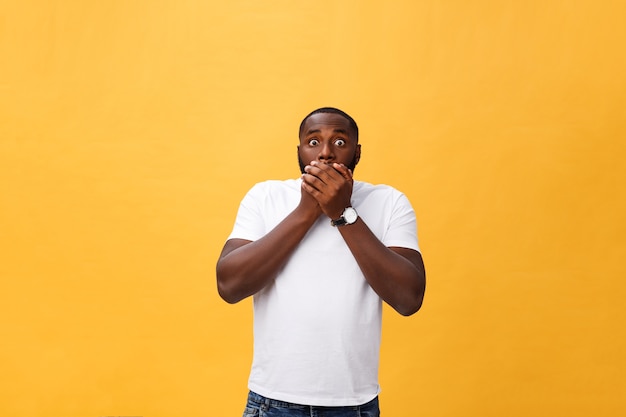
{"x": 308, "y": 203}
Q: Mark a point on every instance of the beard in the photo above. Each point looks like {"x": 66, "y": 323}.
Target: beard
{"x": 351, "y": 166}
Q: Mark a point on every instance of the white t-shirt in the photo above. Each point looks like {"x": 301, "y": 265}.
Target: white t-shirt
{"x": 317, "y": 327}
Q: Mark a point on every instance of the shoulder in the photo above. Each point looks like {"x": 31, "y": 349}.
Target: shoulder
{"x": 379, "y": 191}
{"x": 272, "y": 194}
{"x": 380, "y": 198}
{"x": 275, "y": 186}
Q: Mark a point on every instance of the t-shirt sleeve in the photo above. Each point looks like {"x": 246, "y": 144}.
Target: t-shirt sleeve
{"x": 402, "y": 229}
{"x": 250, "y": 224}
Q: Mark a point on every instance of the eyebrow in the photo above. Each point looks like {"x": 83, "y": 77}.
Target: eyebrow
{"x": 344, "y": 131}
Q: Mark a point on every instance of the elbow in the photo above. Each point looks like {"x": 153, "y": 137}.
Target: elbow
{"x": 225, "y": 288}
{"x": 231, "y": 293}
{"x": 226, "y": 294}
{"x": 413, "y": 304}
{"x": 409, "y": 300}
{"x": 410, "y": 308}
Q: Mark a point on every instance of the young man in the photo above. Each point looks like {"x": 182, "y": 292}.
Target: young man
{"x": 318, "y": 254}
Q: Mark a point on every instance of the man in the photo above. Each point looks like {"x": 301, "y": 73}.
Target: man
{"x": 318, "y": 254}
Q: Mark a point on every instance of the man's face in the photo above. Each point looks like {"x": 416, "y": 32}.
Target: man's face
{"x": 328, "y": 138}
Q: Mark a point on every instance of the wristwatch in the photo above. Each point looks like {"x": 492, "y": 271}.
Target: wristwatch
{"x": 349, "y": 216}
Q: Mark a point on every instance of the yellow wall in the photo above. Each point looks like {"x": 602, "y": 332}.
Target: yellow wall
{"x": 130, "y": 130}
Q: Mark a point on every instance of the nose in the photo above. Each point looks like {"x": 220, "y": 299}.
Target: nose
{"x": 326, "y": 153}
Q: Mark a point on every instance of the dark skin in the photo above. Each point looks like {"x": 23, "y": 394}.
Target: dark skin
{"x": 396, "y": 274}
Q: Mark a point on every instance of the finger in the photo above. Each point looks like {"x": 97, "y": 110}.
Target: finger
{"x": 311, "y": 182}
{"x": 325, "y": 172}
{"x": 309, "y": 190}
{"x": 316, "y": 171}
{"x": 343, "y": 170}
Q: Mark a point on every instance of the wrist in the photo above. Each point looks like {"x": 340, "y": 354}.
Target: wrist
{"x": 308, "y": 212}
{"x": 349, "y": 216}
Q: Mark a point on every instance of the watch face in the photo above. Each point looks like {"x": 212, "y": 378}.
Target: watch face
{"x": 350, "y": 215}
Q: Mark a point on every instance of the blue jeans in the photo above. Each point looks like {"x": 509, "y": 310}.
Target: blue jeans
{"x": 259, "y": 406}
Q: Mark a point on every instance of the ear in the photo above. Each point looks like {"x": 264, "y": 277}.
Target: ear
{"x": 357, "y": 154}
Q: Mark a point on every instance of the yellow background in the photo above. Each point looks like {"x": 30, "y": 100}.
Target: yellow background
{"x": 130, "y": 130}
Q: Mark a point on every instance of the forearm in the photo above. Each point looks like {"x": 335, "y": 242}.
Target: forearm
{"x": 397, "y": 275}
{"x": 245, "y": 267}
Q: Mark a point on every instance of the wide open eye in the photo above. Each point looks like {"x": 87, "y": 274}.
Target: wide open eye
{"x": 340, "y": 142}
{"x": 314, "y": 142}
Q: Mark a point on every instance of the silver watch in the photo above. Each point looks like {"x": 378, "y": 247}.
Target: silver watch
{"x": 349, "y": 216}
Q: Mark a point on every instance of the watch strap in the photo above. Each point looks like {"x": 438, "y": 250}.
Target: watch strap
{"x": 339, "y": 222}
{"x": 349, "y": 216}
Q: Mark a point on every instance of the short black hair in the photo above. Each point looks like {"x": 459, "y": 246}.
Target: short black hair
{"x": 333, "y": 110}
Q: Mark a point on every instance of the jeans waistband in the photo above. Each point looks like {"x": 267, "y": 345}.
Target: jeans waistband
{"x": 260, "y": 400}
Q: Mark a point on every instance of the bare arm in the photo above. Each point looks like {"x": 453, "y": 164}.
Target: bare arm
{"x": 246, "y": 267}
{"x": 396, "y": 274}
